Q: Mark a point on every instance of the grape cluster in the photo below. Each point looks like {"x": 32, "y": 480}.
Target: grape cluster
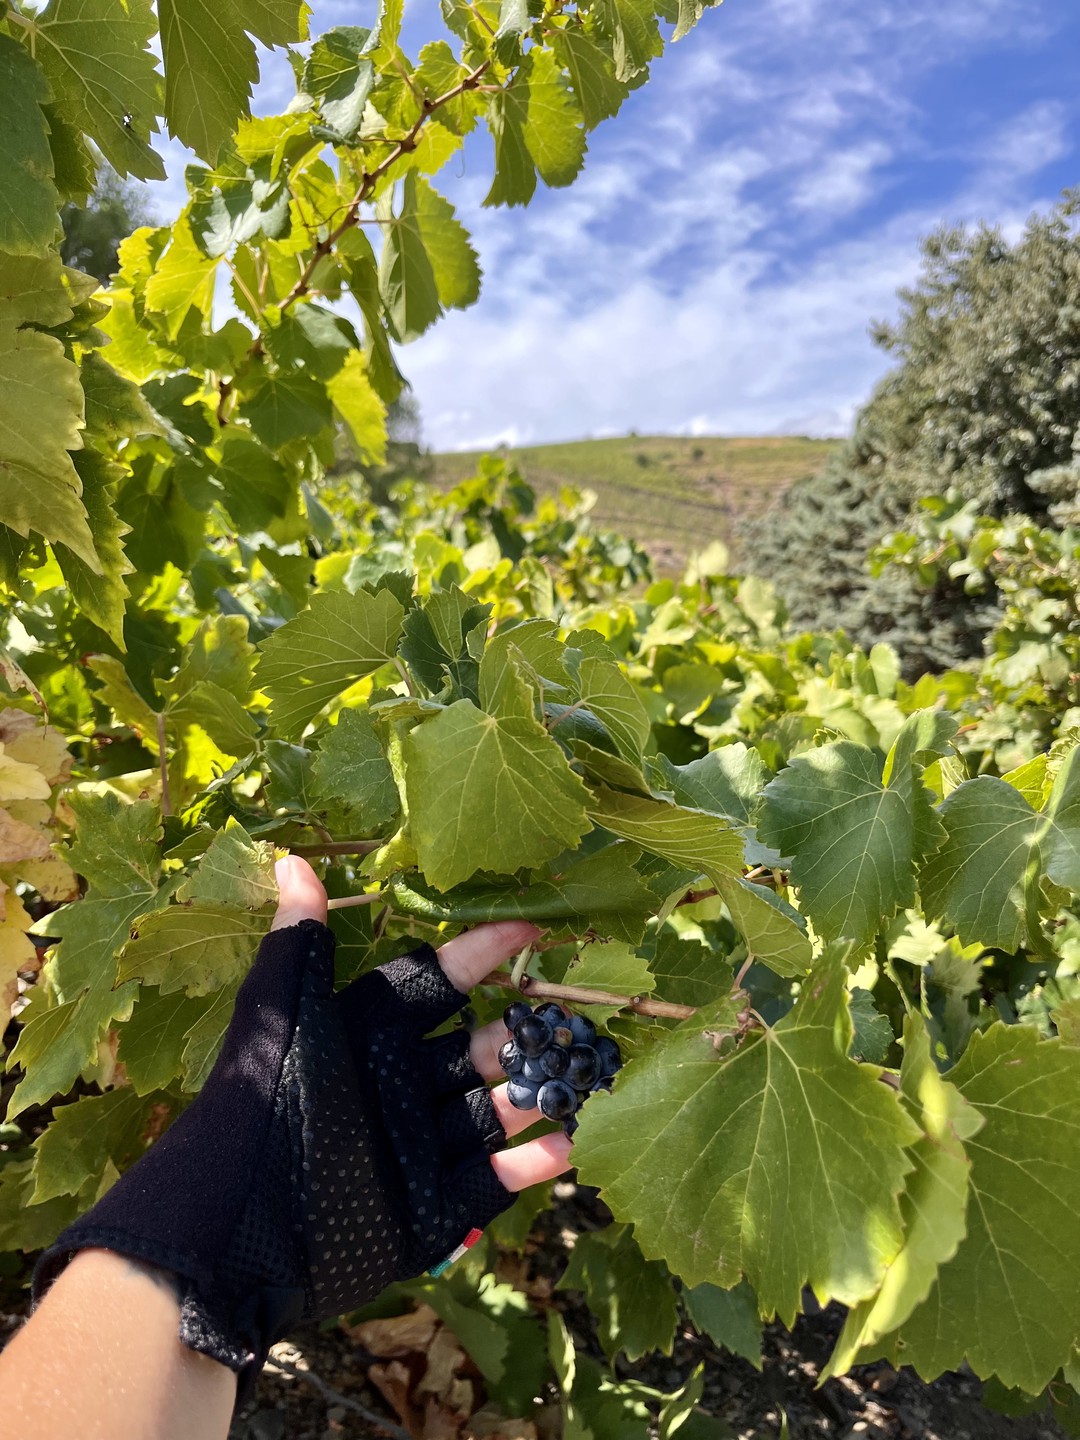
{"x": 554, "y": 1061}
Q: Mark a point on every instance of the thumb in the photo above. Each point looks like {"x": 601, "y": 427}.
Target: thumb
{"x": 301, "y": 894}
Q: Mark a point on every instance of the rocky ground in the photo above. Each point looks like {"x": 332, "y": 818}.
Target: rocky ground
{"x": 325, "y": 1391}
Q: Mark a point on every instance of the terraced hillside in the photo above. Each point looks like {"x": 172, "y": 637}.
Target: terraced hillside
{"x": 671, "y": 494}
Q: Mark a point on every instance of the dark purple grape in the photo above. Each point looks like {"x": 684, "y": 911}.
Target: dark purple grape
{"x": 583, "y": 1030}
{"x": 602, "y": 1082}
{"x": 555, "y": 1062}
{"x": 557, "y": 1100}
{"x": 533, "y": 1036}
{"x": 610, "y": 1059}
{"x": 522, "y": 1093}
{"x": 562, "y": 1035}
{"x": 569, "y": 1126}
{"x": 584, "y": 1067}
{"x": 533, "y": 1070}
{"x": 515, "y": 1012}
{"x": 552, "y": 1013}
{"x": 511, "y": 1058}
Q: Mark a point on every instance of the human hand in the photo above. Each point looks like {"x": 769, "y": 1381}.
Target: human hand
{"x": 465, "y": 960}
{"x": 334, "y": 1148}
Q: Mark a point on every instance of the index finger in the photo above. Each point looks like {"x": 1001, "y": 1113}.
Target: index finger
{"x": 472, "y": 955}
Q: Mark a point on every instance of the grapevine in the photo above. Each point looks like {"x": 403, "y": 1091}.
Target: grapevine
{"x": 816, "y": 927}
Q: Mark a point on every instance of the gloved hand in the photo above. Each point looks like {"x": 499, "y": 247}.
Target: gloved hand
{"x": 333, "y": 1148}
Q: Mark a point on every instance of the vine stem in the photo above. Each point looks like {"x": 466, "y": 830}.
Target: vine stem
{"x": 338, "y": 847}
{"x": 308, "y": 1377}
{"x": 639, "y": 1004}
{"x": 370, "y": 179}
{"x": 343, "y": 901}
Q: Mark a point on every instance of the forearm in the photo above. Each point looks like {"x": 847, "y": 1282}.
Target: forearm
{"x": 100, "y": 1359}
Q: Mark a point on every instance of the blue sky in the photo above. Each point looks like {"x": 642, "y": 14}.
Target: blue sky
{"x": 736, "y": 227}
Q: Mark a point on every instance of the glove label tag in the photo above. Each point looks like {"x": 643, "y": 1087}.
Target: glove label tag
{"x": 470, "y": 1240}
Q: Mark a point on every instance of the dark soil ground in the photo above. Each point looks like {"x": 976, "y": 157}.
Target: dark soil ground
{"x": 875, "y": 1402}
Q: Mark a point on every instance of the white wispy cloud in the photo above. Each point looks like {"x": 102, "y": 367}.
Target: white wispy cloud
{"x": 717, "y": 264}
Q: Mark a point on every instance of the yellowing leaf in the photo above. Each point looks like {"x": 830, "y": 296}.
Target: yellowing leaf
{"x": 28, "y": 739}
{"x": 41, "y": 417}
{"x": 19, "y": 781}
{"x": 183, "y": 277}
{"x": 196, "y": 947}
{"x": 17, "y": 950}
{"x": 355, "y": 400}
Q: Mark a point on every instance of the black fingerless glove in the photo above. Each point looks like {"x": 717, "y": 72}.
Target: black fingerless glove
{"x": 332, "y": 1150}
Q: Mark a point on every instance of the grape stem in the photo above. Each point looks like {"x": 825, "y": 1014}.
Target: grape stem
{"x": 338, "y": 847}
{"x": 343, "y": 900}
{"x": 639, "y": 1004}
{"x": 518, "y": 975}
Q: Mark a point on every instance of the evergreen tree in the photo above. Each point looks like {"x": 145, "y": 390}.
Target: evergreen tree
{"x": 985, "y": 400}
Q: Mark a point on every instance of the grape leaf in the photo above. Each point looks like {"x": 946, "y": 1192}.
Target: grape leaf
{"x": 183, "y": 277}
{"x": 197, "y": 947}
{"x": 631, "y": 26}
{"x": 104, "y": 77}
{"x": 688, "y": 972}
{"x": 203, "y": 1041}
{"x": 702, "y": 843}
{"x": 753, "y": 1142}
{"x": 257, "y": 485}
{"x": 357, "y": 402}
{"x": 489, "y": 792}
{"x": 234, "y": 870}
{"x": 17, "y": 951}
{"x": 338, "y": 640}
{"x": 592, "y": 75}
{"x": 427, "y": 264}
{"x": 631, "y": 1298}
{"x": 602, "y": 892}
{"x": 1024, "y": 1187}
{"x": 218, "y": 653}
{"x": 609, "y": 694}
{"x": 729, "y": 1317}
{"x": 24, "y": 1226}
{"x": 28, "y": 198}
{"x": 873, "y": 1034}
{"x": 103, "y": 596}
{"x": 536, "y": 124}
{"x": 933, "y": 1206}
{"x": 727, "y": 781}
{"x": 153, "y": 1039}
{"x": 434, "y": 642}
{"x": 351, "y": 769}
{"x": 116, "y": 851}
{"x": 41, "y": 416}
{"x": 210, "y": 62}
{"x": 82, "y": 1137}
{"x": 854, "y": 841}
{"x": 614, "y": 966}
{"x": 339, "y": 78}
{"x": 984, "y": 877}
{"x": 287, "y": 407}
{"x": 775, "y": 932}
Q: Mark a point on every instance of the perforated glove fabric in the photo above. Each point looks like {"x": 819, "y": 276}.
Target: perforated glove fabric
{"x": 333, "y": 1150}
